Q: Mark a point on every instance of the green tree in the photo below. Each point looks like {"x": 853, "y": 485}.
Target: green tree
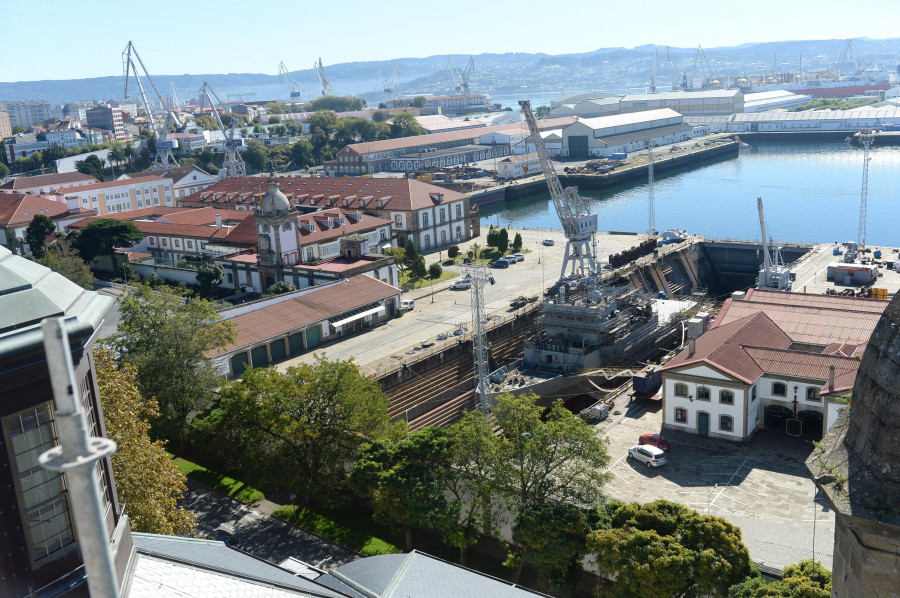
{"x": 399, "y": 255}
{"x": 493, "y": 237}
{"x": 4, "y": 170}
{"x": 405, "y": 125}
{"x": 380, "y": 116}
{"x": 274, "y": 120}
{"x": 453, "y": 251}
{"x": 104, "y": 236}
{"x": 403, "y": 481}
{"x": 168, "y": 339}
{"x": 302, "y": 428}
{"x": 148, "y": 482}
{"x": 552, "y": 537}
{"x": 52, "y": 154}
{"x": 210, "y": 275}
{"x": 692, "y": 554}
{"x": 806, "y": 579}
{"x": 517, "y": 242}
{"x": 502, "y": 241}
{"x": 116, "y": 156}
{"x": 36, "y": 234}
{"x": 63, "y": 259}
{"x": 281, "y": 287}
{"x": 419, "y": 102}
{"x": 303, "y": 154}
{"x": 255, "y": 155}
{"x": 91, "y": 165}
{"x": 17, "y": 130}
{"x": 207, "y": 122}
{"x": 130, "y": 153}
{"x": 411, "y": 256}
{"x": 335, "y": 104}
{"x": 435, "y": 270}
{"x": 558, "y": 457}
{"x": 542, "y": 111}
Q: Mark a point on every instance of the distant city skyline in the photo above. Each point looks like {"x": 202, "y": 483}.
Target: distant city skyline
{"x": 177, "y": 38}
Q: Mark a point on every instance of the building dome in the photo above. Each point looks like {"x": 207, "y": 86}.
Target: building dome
{"x": 274, "y": 201}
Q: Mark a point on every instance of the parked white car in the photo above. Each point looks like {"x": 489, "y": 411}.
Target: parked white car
{"x": 548, "y": 242}
{"x": 648, "y": 454}
{"x": 462, "y": 283}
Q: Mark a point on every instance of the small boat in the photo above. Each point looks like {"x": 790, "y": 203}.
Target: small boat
{"x": 745, "y": 145}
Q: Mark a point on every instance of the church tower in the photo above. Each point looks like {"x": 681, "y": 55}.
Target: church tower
{"x": 276, "y": 230}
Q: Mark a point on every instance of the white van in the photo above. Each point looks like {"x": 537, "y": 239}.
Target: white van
{"x": 407, "y": 304}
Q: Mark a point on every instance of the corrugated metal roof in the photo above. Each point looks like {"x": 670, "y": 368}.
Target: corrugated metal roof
{"x": 629, "y": 118}
{"x": 681, "y": 95}
{"x": 878, "y": 113}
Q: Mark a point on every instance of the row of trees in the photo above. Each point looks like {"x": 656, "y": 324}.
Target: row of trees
{"x": 499, "y": 238}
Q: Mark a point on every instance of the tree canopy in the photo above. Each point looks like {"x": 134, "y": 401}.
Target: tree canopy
{"x": 167, "y": 339}
{"x": 335, "y": 104}
{"x": 38, "y": 230}
{"x": 806, "y": 579}
{"x": 210, "y": 275}
{"x": 693, "y": 555}
{"x": 148, "y": 482}
{"x": 419, "y": 102}
{"x": 301, "y": 428}
{"x": 405, "y": 125}
{"x": 255, "y": 155}
{"x": 104, "y": 236}
{"x": 91, "y": 165}
{"x": 62, "y": 258}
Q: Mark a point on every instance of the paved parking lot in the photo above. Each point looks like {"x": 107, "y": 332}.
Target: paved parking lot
{"x": 762, "y": 487}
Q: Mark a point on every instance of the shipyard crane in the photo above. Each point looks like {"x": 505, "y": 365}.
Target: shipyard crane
{"x": 773, "y": 274}
{"x": 701, "y": 61}
{"x": 234, "y": 144}
{"x": 654, "y": 71}
{"x": 327, "y": 89}
{"x": 461, "y": 78}
{"x": 865, "y": 138}
{"x": 176, "y": 102}
{"x": 284, "y": 76}
{"x": 578, "y": 223}
{"x": 673, "y": 71}
{"x": 479, "y": 276}
{"x": 848, "y": 55}
{"x": 389, "y": 86}
{"x": 652, "y": 228}
{"x": 164, "y": 157}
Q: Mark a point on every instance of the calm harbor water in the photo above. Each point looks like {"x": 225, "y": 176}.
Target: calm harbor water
{"x": 810, "y": 193}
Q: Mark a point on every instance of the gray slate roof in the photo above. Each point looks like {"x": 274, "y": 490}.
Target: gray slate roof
{"x": 418, "y": 575}
{"x": 215, "y": 556}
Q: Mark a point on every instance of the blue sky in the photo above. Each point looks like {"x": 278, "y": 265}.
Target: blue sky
{"x": 66, "y": 40}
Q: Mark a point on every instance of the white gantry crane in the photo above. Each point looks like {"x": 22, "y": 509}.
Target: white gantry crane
{"x": 389, "y": 86}
{"x": 865, "y": 138}
{"x": 176, "y": 101}
{"x": 673, "y": 70}
{"x": 234, "y": 144}
{"x": 164, "y": 157}
{"x": 773, "y": 274}
{"x": 284, "y": 76}
{"x": 651, "y": 230}
{"x": 327, "y": 89}
{"x": 461, "y": 78}
{"x": 578, "y": 222}
{"x": 654, "y": 71}
{"x": 479, "y": 276}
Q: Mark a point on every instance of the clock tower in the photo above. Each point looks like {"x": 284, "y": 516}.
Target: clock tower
{"x": 276, "y": 230}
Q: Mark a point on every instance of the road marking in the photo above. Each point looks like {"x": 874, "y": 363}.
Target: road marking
{"x": 728, "y": 483}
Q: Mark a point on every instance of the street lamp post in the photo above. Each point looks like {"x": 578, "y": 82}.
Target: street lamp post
{"x": 709, "y": 498}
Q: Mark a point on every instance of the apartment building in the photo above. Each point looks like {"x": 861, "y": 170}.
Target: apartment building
{"x": 44, "y": 184}
{"x": 109, "y": 119}
{"x": 27, "y": 113}
{"x": 5, "y": 126}
{"x": 123, "y": 195}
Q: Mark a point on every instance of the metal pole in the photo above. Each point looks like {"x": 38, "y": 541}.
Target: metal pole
{"x": 709, "y": 498}
{"x": 75, "y": 456}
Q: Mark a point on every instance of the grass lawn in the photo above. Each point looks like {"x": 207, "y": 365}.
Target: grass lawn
{"x": 420, "y": 283}
{"x": 219, "y": 481}
{"x": 351, "y": 527}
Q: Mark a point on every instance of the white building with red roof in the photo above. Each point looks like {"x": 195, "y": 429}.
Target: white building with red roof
{"x": 43, "y": 184}
{"x": 113, "y": 197}
{"x": 431, "y": 216}
{"x": 773, "y": 360}
{"x": 17, "y": 210}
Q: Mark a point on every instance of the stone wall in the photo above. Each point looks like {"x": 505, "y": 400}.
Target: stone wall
{"x": 866, "y": 558}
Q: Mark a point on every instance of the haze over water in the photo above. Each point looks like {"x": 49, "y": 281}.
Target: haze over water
{"x": 810, "y": 193}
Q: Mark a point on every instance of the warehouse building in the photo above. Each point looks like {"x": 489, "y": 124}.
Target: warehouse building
{"x": 517, "y": 167}
{"x": 687, "y": 103}
{"x": 815, "y": 120}
{"x": 598, "y": 137}
{"x": 773, "y": 100}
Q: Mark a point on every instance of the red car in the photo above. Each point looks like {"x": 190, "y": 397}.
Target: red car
{"x": 657, "y": 440}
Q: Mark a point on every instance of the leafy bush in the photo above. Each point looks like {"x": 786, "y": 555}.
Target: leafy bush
{"x": 435, "y": 270}
{"x": 453, "y": 251}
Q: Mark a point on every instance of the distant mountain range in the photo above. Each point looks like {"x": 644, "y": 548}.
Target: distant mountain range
{"x": 606, "y": 68}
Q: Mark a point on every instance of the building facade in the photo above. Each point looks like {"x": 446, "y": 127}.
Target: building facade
{"x": 5, "y": 126}
{"x": 108, "y": 119}
{"x": 517, "y": 167}
{"x": 121, "y": 196}
{"x": 17, "y": 210}
{"x": 27, "y": 113}
{"x": 605, "y": 135}
{"x": 48, "y": 184}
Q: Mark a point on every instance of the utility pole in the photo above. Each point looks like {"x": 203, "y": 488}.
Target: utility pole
{"x": 652, "y": 229}
{"x": 480, "y": 276}
{"x": 865, "y": 138}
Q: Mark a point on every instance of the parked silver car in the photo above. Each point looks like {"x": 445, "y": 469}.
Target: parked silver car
{"x": 648, "y": 454}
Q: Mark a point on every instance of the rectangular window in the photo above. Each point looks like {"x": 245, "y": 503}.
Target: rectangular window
{"x": 726, "y": 397}
{"x": 779, "y": 389}
{"x": 681, "y": 390}
{"x": 681, "y": 416}
{"x": 424, "y": 220}
{"x": 702, "y": 393}
{"x": 812, "y": 394}
{"x": 41, "y": 493}
{"x": 726, "y": 423}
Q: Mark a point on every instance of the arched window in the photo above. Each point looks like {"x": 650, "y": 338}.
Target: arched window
{"x": 681, "y": 415}
{"x": 427, "y": 241}
{"x": 726, "y": 423}
{"x": 726, "y": 397}
{"x": 702, "y": 393}
{"x": 681, "y": 390}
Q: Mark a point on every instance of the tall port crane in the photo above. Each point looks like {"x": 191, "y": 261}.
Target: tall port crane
{"x": 578, "y": 222}
{"x": 176, "y": 102}
{"x": 389, "y": 86}
{"x": 773, "y": 274}
{"x": 327, "y": 89}
{"x": 701, "y": 62}
{"x": 650, "y": 182}
{"x": 284, "y": 76}
{"x": 850, "y": 56}
{"x": 673, "y": 71}
{"x": 164, "y": 157}
{"x": 234, "y": 144}
{"x": 865, "y": 138}
{"x": 479, "y": 276}
{"x": 654, "y": 71}
{"x": 461, "y": 78}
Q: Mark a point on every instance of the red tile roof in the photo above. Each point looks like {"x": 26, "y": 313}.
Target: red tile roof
{"x": 257, "y": 322}
{"x": 20, "y": 208}
{"x": 363, "y": 194}
{"x": 42, "y": 180}
{"x": 151, "y": 178}
{"x": 186, "y": 222}
{"x": 801, "y": 364}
